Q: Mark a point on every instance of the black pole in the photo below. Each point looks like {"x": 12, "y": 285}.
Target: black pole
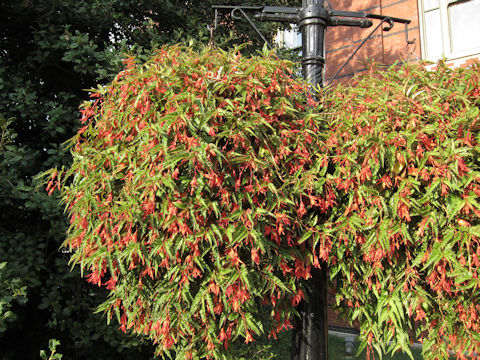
{"x": 310, "y": 339}
{"x": 313, "y": 22}
{"x": 311, "y": 332}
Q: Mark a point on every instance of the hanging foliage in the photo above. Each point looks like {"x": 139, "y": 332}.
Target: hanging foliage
{"x": 205, "y": 185}
{"x": 403, "y": 242}
{"x": 190, "y": 182}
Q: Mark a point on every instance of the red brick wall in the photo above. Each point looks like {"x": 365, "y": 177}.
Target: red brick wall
{"x": 383, "y": 47}
{"x": 334, "y": 319}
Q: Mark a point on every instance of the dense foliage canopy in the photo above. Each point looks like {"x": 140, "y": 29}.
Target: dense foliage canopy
{"x": 50, "y": 52}
{"x": 402, "y": 272}
{"x": 403, "y": 241}
{"x": 190, "y": 179}
{"x": 205, "y": 185}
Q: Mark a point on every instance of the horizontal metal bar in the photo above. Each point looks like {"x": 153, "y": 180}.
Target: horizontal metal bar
{"x": 354, "y": 14}
{"x": 363, "y": 23}
{"x": 361, "y": 14}
{"x": 281, "y": 10}
{"x": 288, "y": 18}
{"x": 231, "y": 7}
{"x": 394, "y": 19}
{"x": 290, "y": 14}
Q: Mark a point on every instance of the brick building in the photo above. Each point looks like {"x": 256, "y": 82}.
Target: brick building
{"x": 438, "y": 28}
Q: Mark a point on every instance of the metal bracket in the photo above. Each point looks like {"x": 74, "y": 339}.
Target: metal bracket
{"x": 215, "y": 21}
{"x": 293, "y": 15}
{"x": 234, "y": 9}
{"x": 387, "y": 28}
{"x": 321, "y": 14}
{"x": 383, "y": 19}
{"x": 252, "y": 24}
{"x": 211, "y": 29}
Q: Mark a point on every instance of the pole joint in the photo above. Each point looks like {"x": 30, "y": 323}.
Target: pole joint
{"x": 313, "y": 14}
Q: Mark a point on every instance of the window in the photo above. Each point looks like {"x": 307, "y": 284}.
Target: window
{"x": 289, "y": 38}
{"x": 450, "y": 28}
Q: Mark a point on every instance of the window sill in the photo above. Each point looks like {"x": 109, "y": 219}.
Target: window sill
{"x": 458, "y": 56}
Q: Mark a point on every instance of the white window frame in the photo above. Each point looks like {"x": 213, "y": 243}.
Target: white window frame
{"x": 446, "y": 41}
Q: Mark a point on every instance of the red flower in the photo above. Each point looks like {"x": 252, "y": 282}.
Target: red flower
{"x": 233, "y": 256}
{"x": 255, "y": 256}
{"x": 403, "y": 211}
{"x": 248, "y": 338}
{"x": 298, "y": 297}
{"x": 386, "y": 181}
{"x": 301, "y": 210}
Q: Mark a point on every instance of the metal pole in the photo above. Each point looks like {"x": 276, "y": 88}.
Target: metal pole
{"x": 311, "y": 333}
{"x": 310, "y": 341}
{"x": 313, "y": 22}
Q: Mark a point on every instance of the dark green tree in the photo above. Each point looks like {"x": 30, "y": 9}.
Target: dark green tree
{"x": 50, "y": 51}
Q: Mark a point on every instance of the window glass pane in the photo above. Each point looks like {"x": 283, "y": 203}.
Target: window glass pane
{"x": 289, "y": 38}
{"x": 430, "y": 4}
{"x": 464, "y": 25}
{"x": 433, "y": 34}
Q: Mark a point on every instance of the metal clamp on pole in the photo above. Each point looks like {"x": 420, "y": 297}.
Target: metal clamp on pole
{"x": 314, "y": 19}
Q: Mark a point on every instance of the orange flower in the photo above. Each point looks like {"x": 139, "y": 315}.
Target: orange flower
{"x": 255, "y": 256}
{"x": 248, "y": 338}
